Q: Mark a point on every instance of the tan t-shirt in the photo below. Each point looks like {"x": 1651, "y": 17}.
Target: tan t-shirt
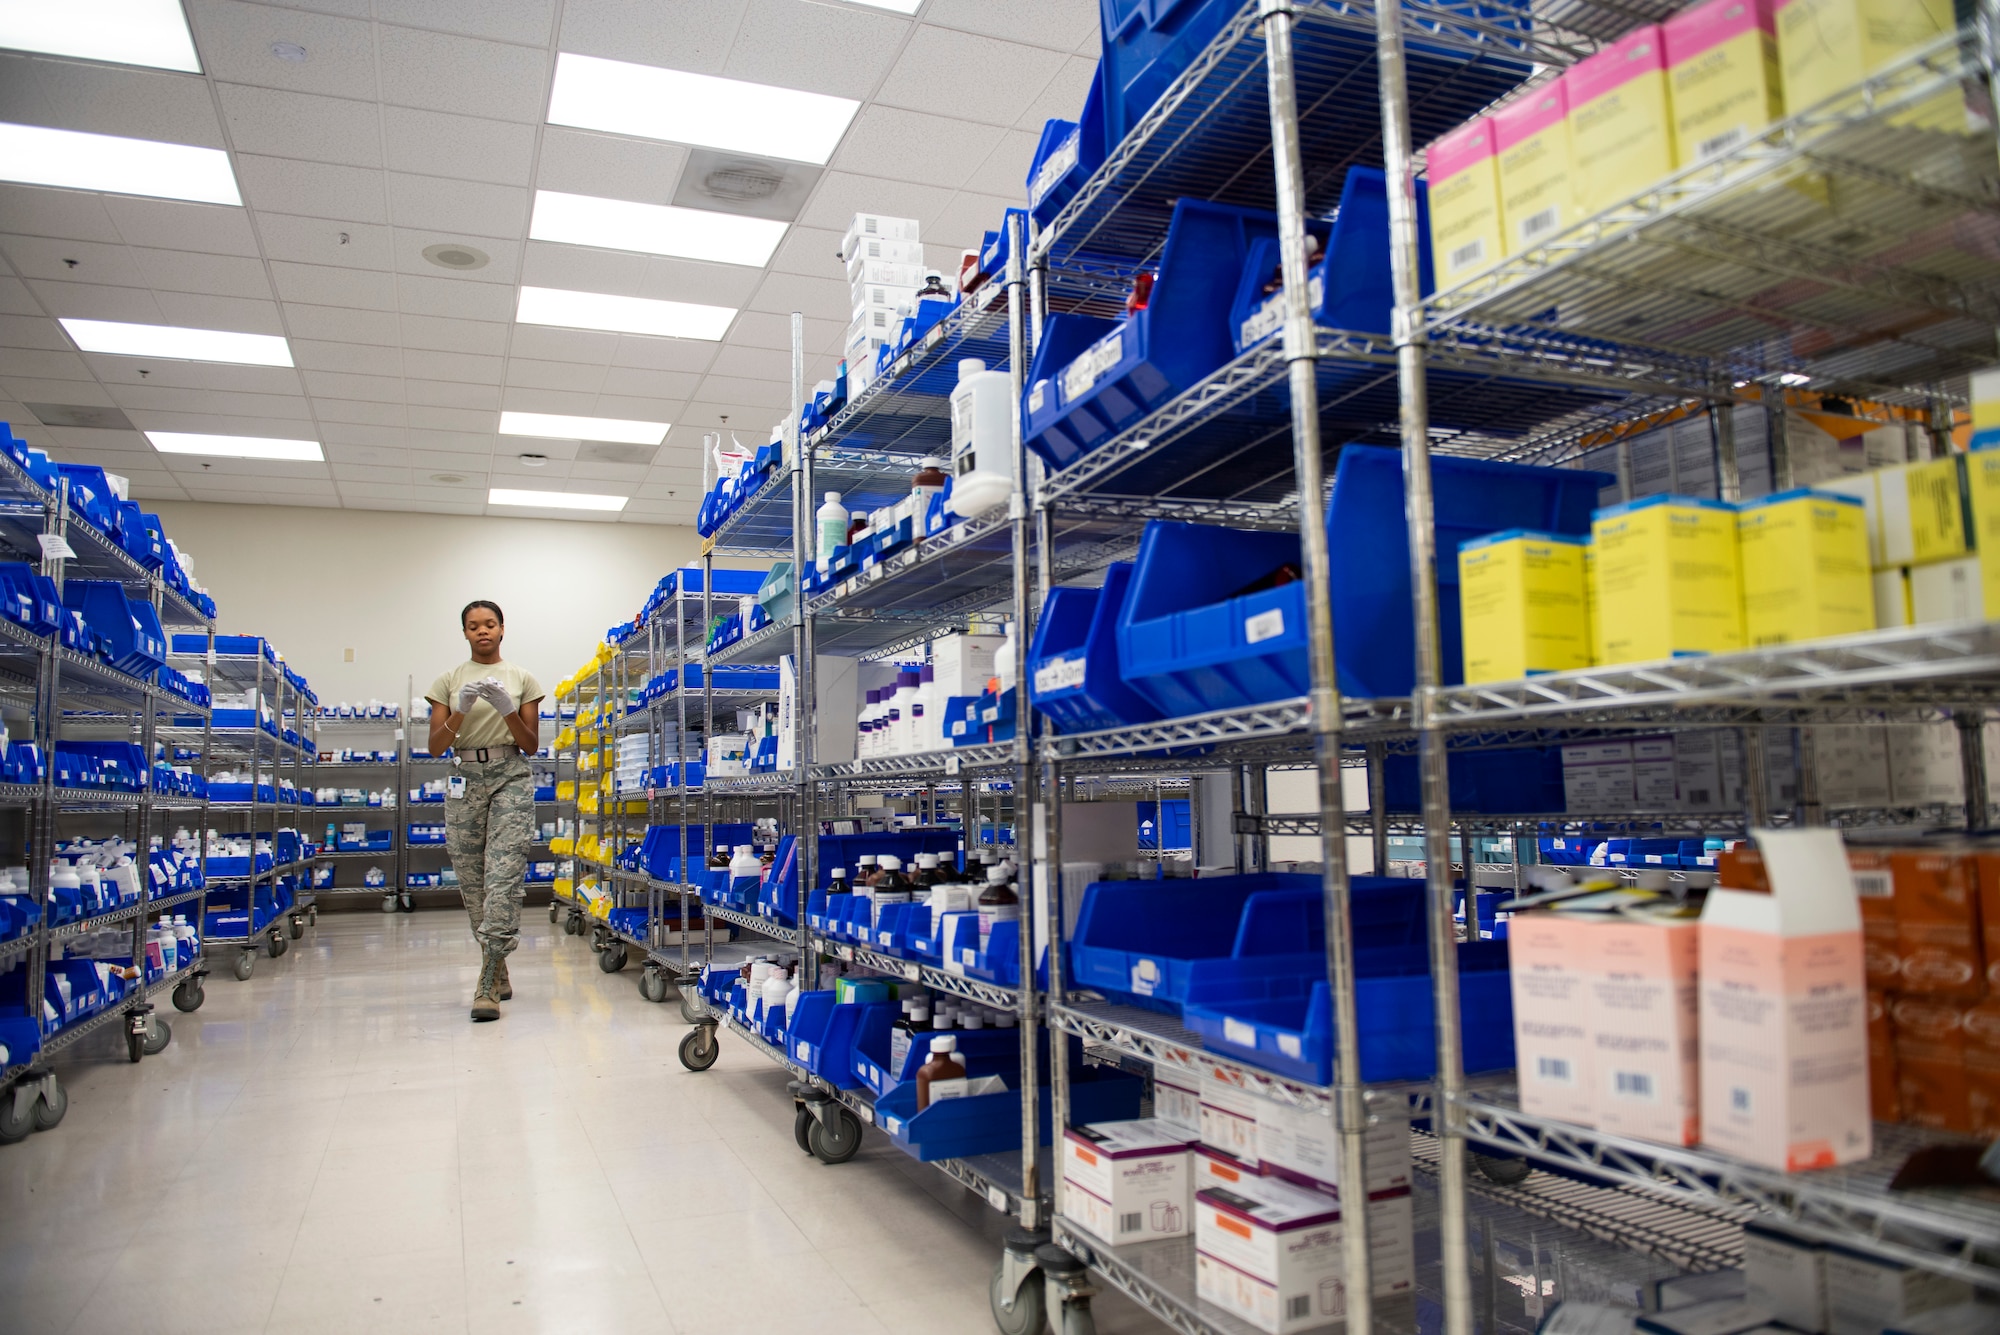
{"x": 483, "y": 725}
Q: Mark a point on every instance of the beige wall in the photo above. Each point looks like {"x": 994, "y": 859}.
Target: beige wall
{"x": 388, "y": 585}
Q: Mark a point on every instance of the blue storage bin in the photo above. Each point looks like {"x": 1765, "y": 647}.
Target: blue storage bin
{"x": 90, "y": 495}
{"x": 129, "y": 629}
{"x": 1147, "y": 44}
{"x": 981, "y": 1051}
{"x": 846, "y": 850}
{"x": 824, "y": 1034}
{"x": 1176, "y": 829}
{"x": 991, "y": 1123}
{"x": 1494, "y": 782}
{"x": 1068, "y": 153}
{"x": 1073, "y": 663}
{"x": 1078, "y": 397}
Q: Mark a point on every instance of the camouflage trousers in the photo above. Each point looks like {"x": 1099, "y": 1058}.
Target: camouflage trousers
{"x": 487, "y": 831}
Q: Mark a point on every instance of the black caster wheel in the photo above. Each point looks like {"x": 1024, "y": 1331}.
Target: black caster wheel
{"x": 51, "y": 1106}
{"x": 612, "y": 958}
{"x": 388, "y": 903}
{"x": 158, "y": 1034}
{"x": 573, "y": 925}
{"x": 1504, "y": 1170}
{"x": 802, "y": 1120}
{"x": 245, "y": 964}
{"x": 690, "y": 1009}
{"x": 406, "y": 902}
{"x": 278, "y": 944}
{"x": 699, "y": 1049}
{"x": 312, "y": 916}
{"x": 552, "y": 911}
{"x": 135, "y": 1042}
{"x": 188, "y": 996}
{"x": 17, "y": 1114}
{"x": 653, "y": 985}
{"x": 1029, "y": 1315}
{"x": 298, "y": 927}
{"x": 838, "y": 1138}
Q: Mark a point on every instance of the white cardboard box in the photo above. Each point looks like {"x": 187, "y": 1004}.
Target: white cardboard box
{"x": 1270, "y": 1253}
{"x": 1391, "y": 1215}
{"x": 1597, "y": 776}
{"x": 1301, "y": 1146}
{"x": 1865, "y": 1294}
{"x": 961, "y": 664}
{"x": 881, "y": 250}
{"x": 1129, "y": 1181}
{"x": 1785, "y": 1272}
{"x": 1229, "y": 1117}
{"x": 868, "y": 229}
{"x": 1176, "y": 1097}
{"x": 1946, "y": 591}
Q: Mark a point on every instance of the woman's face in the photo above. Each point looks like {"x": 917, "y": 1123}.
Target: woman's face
{"x": 483, "y": 630}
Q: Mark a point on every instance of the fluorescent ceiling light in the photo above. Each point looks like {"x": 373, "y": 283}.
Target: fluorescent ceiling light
{"x": 895, "y": 6}
{"x": 74, "y": 160}
{"x": 557, "y": 426}
{"x": 173, "y": 343}
{"x": 654, "y": 229}
{"x": 555, "y": 500}
{"x": 236, "y": 447}
{"x": 122, "y": 32}
{"x": 654, "y": 103}
{"x": 622, "y": 315}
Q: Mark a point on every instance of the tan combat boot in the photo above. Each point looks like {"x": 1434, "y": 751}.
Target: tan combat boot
{"x": 506, "y": 992}
{"x": 486, "y": 996}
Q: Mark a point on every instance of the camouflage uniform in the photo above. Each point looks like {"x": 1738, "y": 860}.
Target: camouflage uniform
{"x": 487, "y": 833}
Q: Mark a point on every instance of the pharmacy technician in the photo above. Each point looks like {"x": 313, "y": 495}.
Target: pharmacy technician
{"x": 488, "y": 712}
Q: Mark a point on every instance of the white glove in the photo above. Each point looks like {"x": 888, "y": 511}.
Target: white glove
{"x": 495, "y": 694}
{"x": 469, "y": 695}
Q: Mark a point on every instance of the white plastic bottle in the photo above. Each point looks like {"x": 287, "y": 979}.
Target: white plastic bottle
{"x": 832, "y": 520}
{"x": 746, "y": 870}
{"x": 982, "y": 439}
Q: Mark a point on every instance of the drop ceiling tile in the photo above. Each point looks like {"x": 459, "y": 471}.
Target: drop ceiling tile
{"x": 639, "y": 407}
{"x": 755, "y": 363}
{"x": 31, "y": 210}
{"x": 340, "y": 324}
{"x": 818, "y": 298}
{"x": 26, "y": 389}
{"x": 171, "y": 224}
{"x": 456, "y": 366}
{"x": 509, "y": 468}
{"x": 282, "y": 124}
{"x": 572, "y": 377}
{"x": 451, "y": 419}
{"x": 963, "y": 223}
{"x": 488, "y": 337}
{"x": 938, "y": 65}
{"x": 89, "y": 301}
{"x": 359, "y": 443}
{"x": 517, "y": 399}
{"x": 760, "y": 329}
{"x": 347, "y": 475}
{"x": 452, "y": 394}
{"x": 46, "y": 365}
{"x": 816, "y": 48}
{"x": 96, "y": 262}
{"x": 218, "y": 423}
{"x": 197, "y": 311}
{"x": 318, "y": 241}
{"x": 197, "y": 375}
{"x": 523, "y": 21}
{"x": 346, "y": 385}
{"x": 454, "y": 298}
{"x": 15, "y": 299}
{"x": 750, "y": 422}
{"x": 429, "y": 444}
{"x": 583, "y": 269}
{"x": 503, "y": 255}
{"x": 323, "y": 285}
{"x": 656, "y": 490}
{"x": 432, "y": 143}
{"x": 355, "y": 412}
{"x": 1062, "y": 98}
{"x": 1005, "y": 170}
{"x": 663, "y": 386}
{"x": 841, "y": 195}
{"x": 697, "y": 281}
{"x": 125, "y": 449}
{"x": 108, "y": 99}
{"x": 32, "y": 331}
{"x": 810, "y": 250}
{"x": 676, "y": 34}
{"x": 235, "y": 44}
{"x": 438, "y": 204}
{"x": 1060, "y": 24}
{"x": 767, "y": 394}
{"x": 626, "y": 476}
{"x": 314, "y": 189}
{"x": 463, "y": 75}
{"x": 662, "y": 354}
{"x": 190, "y": 271}
{"x": 902, "y": 145}
{"x": 584, "y": 162}
{"x": 137, "y": 399}
{"x": 357, "y": 358}
{"x": 585, "y": 346}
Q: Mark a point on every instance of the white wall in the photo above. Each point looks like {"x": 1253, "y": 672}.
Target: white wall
{"x": 388, "y": 585}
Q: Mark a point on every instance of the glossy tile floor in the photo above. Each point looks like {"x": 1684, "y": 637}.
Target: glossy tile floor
{"x": 332, "y": 1146}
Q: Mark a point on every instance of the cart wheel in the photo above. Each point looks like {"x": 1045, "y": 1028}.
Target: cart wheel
{"x": 573, "y": 925}
{"x": 407, "y": 902}
{"x": 389, "y": 903}
{"x": 1077, "y": 1320}
{"x": 51, "y": 1106}
{"x": 135, "y": 1043}
{"x": 837, "y": 1139}
{"x": 653, "y": 984}
{"x": 245, "y": 963}
{"x": 691, "y": 1009}
{"x": 612, "y": 958}
{"x": 1030, "y": 1313}
{"x": 1503, "y": 1169}
{"x": 17, "y": 1116}
{"x": 298, "y": 927}
{"x": 552, "y": 910}
{"x": 158, "y": 1034}
{"x": 187, "y": 995}
{"x": 699, "y": 1049}
{"x": 278, "y": 943}
{"x": 312, "y": 916}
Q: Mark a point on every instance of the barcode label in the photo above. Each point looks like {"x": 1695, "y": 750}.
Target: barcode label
{"x": 1739, "y": 1099}
{"x": 1057, "y": 166}
{"x": 1087, "y": 370}
{"x": 1719, "y": 144}
{"x": 1697, "y": 797}
{"x": 1471, "y": 252}
{"x": 1131, "y": 1223}
{"x": 1536, "y": 223}
{"x": 1298, "y": 1308}
{"x": 1874, "y": 885}
{"x": 1555, "y": 1069}
{"x": 1632, "y": 1084}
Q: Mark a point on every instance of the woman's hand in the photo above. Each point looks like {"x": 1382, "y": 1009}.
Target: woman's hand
{"x": 469, "y": 695}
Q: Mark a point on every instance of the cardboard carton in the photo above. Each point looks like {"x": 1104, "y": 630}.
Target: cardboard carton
{"x": 1521, "y": 605}
{"x": 1621, "y": 133}
{"x": 1551, "y": 987}
{"x": 1537, "y": 191}
{"x": 1722, "y": 76}
{"x": 1466, "y": 232}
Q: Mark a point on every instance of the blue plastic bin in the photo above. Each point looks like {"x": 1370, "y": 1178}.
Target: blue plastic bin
{"x": 1493, "y": 782}
{"x": 1147, "y": 43}
{"x": 129, "y": 629}
{"x": 823, "y": 1034}
{"x": 1068, "y": 153}
{"x": 1073, "y": 663}
{"x": 991, "y": 1123}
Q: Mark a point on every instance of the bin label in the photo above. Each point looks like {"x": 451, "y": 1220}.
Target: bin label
{"x": 1264, "y": 626}
{"x": 1054, "y": 169}
{"x": 1061, "y": 675}
{"x": 1087, "y": 370}
{"x": 1239, "y": 1033}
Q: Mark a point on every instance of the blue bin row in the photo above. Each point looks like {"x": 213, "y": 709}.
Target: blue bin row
{"x": 1259, "y": 992}
{"x": 1601, "y": 851}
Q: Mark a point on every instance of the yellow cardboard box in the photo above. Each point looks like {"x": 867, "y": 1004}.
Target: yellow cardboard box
{"x": 1521, "y": 605}
{"x": 1982, "y": 478}
{"x": 1922, "y": 513}
{"x": 1669, "y": 579}
{"x": 1722, "y": 76}
{"x": 1537, "y": 195}
{"x": 1464, "y": 177}
{"x": 1805, "y": 567}
{"x": 1620, "y": 132}
{"x": 1826, "y": 47}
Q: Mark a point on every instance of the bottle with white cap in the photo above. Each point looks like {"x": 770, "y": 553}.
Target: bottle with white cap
{"x": 832, "y": 519}
{"x": 982, "y": 439}
{"x": 942, "y": 1066}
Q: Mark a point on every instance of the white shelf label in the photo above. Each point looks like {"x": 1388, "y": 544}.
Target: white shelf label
{"x": 1061, "y": 675}
{"x": 912, "y": 972}
{"x": 1083, "y": 373}
{"x": 55, "y": 547}
{"x": 1264, "y": 626}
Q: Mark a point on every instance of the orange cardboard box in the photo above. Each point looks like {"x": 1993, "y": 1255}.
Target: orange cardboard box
{"x": 1982, "y": 1067}
{"x": 1551, "y": 984}
{"x": 1986, "y": 867}
{"x": 1642, "y": 1017}
{"x": 1875, "y": 886}
{"x": 1930, "y": 1062}
{"x": 1937, "y": 925}
{"x": 1884, "y": 1104}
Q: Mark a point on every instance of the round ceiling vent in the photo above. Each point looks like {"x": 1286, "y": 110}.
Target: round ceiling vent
{"x": 743, "y": 183}
{"x": 534, "y": 460}
{"x": 455, "y": 255}
{"x": 448, "y": 478}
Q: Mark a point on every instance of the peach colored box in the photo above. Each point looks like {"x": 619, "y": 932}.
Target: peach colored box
{"x": 1930, "y": 1062}
{"x": 1884, "y": 1103}
{"x": 1551, "y": 990}
{"x": 1642, "y": 1013}
{"x": 1937, "y": 925}
{"x": 1875, "y": 885}
{"x": 1784, "y": 1010}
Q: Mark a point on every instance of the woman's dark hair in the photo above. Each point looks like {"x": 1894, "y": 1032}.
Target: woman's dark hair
{"x": 492, "y": 607}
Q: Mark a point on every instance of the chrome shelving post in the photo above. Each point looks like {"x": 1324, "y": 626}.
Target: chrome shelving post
{"x": 1350, "y": 1112}
{"x": 1972, "y": 763}
{"x": 679, "y": 794}
{"x": 48, "y": 727}
{"x": 707, "y": 731}
{"x": 805, "y": 825}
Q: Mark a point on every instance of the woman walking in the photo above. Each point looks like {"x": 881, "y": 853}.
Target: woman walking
{"x": 488, "y": 712}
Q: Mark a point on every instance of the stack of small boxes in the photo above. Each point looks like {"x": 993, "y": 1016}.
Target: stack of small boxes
{"x": 885, "y": 267}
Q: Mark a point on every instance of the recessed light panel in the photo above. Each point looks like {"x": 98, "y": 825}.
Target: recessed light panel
{"x": 622, "y": 315}
{"x": 236, "y": 447}
{"x": 557, "y": 426}
{"x": 654, "y": 229}
{"x": 653, "y": 103}
{"x": 173, "y": 343}
{"x": 153, "y": 33}
{"x": 893, "y": 6}
{"x": 554, "y": 500}
{"x": 73, "y": 160}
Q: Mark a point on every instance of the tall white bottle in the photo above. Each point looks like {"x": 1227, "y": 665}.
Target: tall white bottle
{"x": 832, "y": 519}
{"x": 982, "y": 439}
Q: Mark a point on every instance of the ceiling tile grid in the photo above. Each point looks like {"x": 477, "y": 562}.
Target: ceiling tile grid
{"x": 409, "y": 125}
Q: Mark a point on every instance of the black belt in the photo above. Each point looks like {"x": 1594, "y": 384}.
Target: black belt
{"x": 484, "y": 754}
